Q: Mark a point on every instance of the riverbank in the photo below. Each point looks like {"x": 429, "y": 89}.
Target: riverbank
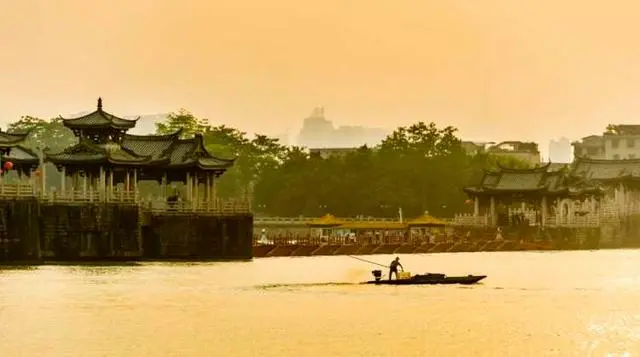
{"x": 307, "y": 250}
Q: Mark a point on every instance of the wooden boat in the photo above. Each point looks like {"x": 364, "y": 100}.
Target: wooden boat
{"x": 425, "y": 279}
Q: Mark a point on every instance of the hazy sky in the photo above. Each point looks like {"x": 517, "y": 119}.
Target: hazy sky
{"x": 497, "y": 69}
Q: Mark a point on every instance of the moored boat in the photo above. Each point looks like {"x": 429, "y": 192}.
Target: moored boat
{"x": 425, "y": 279}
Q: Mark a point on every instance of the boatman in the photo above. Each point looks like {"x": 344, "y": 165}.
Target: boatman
{"x": 393, "y": 267}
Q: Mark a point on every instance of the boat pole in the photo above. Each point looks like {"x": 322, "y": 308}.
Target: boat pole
{"x": 367, "y": 261}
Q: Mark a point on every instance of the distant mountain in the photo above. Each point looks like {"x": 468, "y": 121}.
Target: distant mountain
{"x": 147, "y": 123}
{"x": 318, "y": 132}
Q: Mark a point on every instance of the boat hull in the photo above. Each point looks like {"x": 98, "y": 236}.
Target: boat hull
{"x": 431, "y": 279}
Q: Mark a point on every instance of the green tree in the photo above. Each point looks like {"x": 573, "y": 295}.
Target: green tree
{"x": 44, "y": 134}
{"x": 182, "y": 120}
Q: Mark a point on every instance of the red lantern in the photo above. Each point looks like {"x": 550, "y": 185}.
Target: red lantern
{"x": 8, "y": 165}
{"x": 468, "y": 202}
{"x": 37, "y": 173}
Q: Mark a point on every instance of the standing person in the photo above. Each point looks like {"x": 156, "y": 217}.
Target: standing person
{"x": 393, "y": 267}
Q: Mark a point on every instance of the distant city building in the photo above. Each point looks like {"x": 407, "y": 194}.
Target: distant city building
{"x": 618, "y": 142}
{"x": 473, "y": 148}
{"x": 560, "y": 150}
{"x": 525, "y": 151}
{"x": 283, "y": 139}
{"x": 318, "y": 132}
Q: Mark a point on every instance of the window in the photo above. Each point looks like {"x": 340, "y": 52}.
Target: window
{"x": 615, "y": 143}
{"x": 616, "y": 157}
{"x": 631, "y": 143}
{"x": 591, "y": 151}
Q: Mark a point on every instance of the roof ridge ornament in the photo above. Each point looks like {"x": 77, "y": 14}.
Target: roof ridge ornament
{"x": 100, "y": 103}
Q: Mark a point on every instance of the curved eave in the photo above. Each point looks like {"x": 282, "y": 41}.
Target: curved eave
{"x": 193, "y": 165}
{"x": 213, "y": 168}
{"x": 163, "y": 137}
{"x": 13, "y": 138}
{"x": 110, "y": 121}
{"x": 617, "y": 179}
{"x": 99, "y": 126}
{"x": 11, "y": 144}
{"x": 472, "y": 190}
{"x": 24, "y": 161}
{"x": 543, "y": 168}
{"x": 505, "y": 191}
{"x": 127, "y": 162}
{"x": 69, "y": 161}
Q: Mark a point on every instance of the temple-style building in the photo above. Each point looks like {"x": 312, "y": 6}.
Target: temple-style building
{"x": 107, "y": 163}
{"x": 536, "y": 196}
{"x": 96, "y": 211}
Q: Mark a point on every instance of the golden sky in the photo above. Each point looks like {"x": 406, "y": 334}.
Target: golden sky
{"x": 497, "y": 69}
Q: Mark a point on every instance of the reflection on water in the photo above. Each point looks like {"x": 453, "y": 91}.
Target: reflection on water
{"x": 531, "y": 304}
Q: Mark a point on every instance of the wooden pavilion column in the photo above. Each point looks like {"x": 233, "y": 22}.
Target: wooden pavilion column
{"x": 214, "y": 197}
{"x": 196, "y": 193}
{"x": 207, "y": 190}
{"x": 164, "y": 186}
{"x": 492, "y": 211}
{"x": 543, "y": 211}
{"x": 84, "y": 185}
{"x": 102, "y": 185}
{"x": 188, "y": 186}
{"x": 135, "y": 185}
{"x": 43, "y": 181}
{"x": 63, "y": 183}
{"x": 476, "y": 206}
{"x": 127, "y": 184}
{"x": 110, "y": 194}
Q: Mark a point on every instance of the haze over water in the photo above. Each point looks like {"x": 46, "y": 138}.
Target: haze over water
{"x": 532, "y": 304}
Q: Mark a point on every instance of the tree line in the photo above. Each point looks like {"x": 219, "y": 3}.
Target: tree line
{"x": 416, "y": 168}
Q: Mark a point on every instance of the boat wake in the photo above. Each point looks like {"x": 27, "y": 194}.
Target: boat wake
{"x": 301, "y": 285}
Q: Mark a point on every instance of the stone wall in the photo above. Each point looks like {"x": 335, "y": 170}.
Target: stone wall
{"x": 198, "y": 236}
{"x": 33, "y": 231}
{"x": 74, "y": 231}
{"x": 19, "y": 230}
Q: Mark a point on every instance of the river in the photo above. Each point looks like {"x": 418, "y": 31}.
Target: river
{"x": 582, "y": 303}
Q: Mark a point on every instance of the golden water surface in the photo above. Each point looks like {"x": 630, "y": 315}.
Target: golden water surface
{"x": 532, "y": 304}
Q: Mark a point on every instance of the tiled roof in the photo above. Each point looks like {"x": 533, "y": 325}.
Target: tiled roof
{"x": 156, "y": 146}
{"x": 168, "y": 151}
{"x": 606, "y": 170}
{"x": 87, "y": 152}
{"x": 8, "y": 140}
{"x": 540, "y": 180}
{"x": 191, "y": 152}
{"x": 99, "y": 119}
{"x": 21, "y": 155}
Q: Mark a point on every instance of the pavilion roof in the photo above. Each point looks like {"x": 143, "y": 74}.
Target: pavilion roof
{"x": 167, "y": 151}
{"x": 606, "y": 170}
{"x": 99, "y": 119}
{"x": 87, "y": 152}
{"x": 426, "y": 220}
{"x": 328, "y": 220}
{"x": 539, "y": 180}
{"x": 21, "y": 155}
{"x": 9, "y": 140}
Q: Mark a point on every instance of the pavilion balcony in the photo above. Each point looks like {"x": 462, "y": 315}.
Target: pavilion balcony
{"x": 17, "y": 190}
